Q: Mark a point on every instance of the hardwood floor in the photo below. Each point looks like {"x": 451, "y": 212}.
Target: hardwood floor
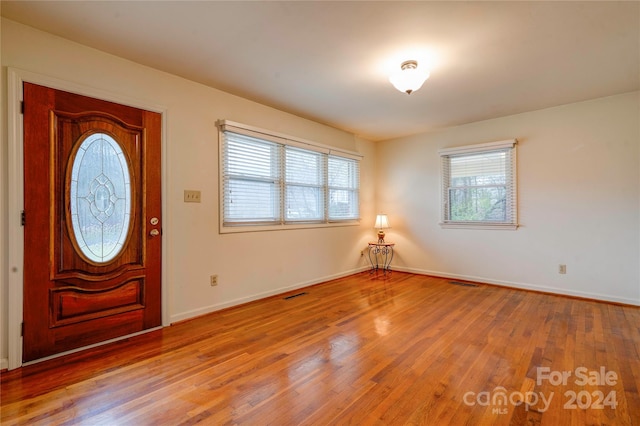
{"x": 364, "y": 350}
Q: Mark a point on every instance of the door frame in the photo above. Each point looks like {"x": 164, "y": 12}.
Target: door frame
{"x": 15, "y": 79}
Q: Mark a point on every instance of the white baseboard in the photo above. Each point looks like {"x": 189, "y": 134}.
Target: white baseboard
{"x": 212, "y": 308}
{"x": 4, "y": 363}
{"x": 523, "y": 286}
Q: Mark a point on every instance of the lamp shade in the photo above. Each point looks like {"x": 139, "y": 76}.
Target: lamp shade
{"x": 409, "y": 78}
{"x": 382, "y": 222}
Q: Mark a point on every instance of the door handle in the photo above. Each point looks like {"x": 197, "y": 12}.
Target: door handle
{"x": 154, "y": 233}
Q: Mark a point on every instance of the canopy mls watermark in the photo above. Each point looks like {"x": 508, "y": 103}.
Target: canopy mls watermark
{"x": 500, "y": 400}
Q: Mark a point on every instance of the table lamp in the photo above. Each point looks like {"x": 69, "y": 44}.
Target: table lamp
{"x": 382, "y": 222}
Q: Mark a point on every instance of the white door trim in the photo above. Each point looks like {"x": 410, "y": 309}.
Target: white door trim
{"x": 15, "y": 79}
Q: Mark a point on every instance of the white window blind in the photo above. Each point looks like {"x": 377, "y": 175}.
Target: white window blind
{"x": 251, "y": 180}
{"x": 479, "y": 185}
{"x": 344, "y": 185}
{"x": 305, "y": 185}
{"x": 268, "y": 179}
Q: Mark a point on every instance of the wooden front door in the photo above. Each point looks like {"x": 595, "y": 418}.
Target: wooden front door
{"x": 92, "y": 221}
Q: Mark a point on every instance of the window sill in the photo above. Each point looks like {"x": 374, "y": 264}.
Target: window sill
{"x": 232, "y": 229}
{"x": 474, "y": 225}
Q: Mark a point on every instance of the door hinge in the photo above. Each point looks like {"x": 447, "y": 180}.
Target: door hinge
{"x": 22, "y": 218}
{"x": 21, "y": 107}
{"x": 21, "y": 329}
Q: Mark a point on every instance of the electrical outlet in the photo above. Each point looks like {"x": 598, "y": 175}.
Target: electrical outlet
{"x": 191, "y": 196}
{"x": 562, "y": 269}
{"x": 361, "y": 252}
{"x": 213, "y": 280}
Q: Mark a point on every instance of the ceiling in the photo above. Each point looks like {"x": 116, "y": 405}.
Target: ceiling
{"x": 329, "y": 61}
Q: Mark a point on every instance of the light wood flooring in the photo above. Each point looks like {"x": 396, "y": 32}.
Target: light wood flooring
{"x": 362, "y": 350}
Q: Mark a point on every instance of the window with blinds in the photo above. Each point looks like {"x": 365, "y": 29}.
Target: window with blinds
{"x": 344, "y": 188}
{"x": 304, "y": 185}
{"x": 479, "y": 186}
{"x": 251, "y": 181}
{"x": 268, "y": 179}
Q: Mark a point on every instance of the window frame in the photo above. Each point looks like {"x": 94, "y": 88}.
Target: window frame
{"x": 511, "y": 186}
{"x": 284, "y": 142}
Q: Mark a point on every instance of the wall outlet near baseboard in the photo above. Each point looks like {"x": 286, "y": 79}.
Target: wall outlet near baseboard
{"x": 562, "y": 269}
{"x": 213, "y": 280}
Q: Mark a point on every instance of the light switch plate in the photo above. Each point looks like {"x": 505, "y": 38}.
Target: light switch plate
{"x": 191, "y": 196}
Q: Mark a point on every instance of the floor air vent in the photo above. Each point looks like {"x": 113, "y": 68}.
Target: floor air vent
{"x": 295, "y": 295}
{"x": 463, "y": 284}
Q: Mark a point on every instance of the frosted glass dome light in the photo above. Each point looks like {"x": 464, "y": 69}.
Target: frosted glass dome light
{"x": 410, "y": 78}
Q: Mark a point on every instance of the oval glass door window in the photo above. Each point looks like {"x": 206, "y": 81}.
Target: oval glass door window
{"x": 100, "y": 197}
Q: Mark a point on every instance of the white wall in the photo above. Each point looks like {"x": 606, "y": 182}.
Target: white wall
{"x": 579, "y": 202}
{"x": 249, "y": 265}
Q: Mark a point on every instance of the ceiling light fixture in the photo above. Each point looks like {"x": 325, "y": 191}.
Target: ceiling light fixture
{"x": 409, "y": 78}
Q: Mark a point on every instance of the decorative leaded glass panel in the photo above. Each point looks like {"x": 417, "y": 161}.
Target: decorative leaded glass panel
{"x": 100, "y": 198}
